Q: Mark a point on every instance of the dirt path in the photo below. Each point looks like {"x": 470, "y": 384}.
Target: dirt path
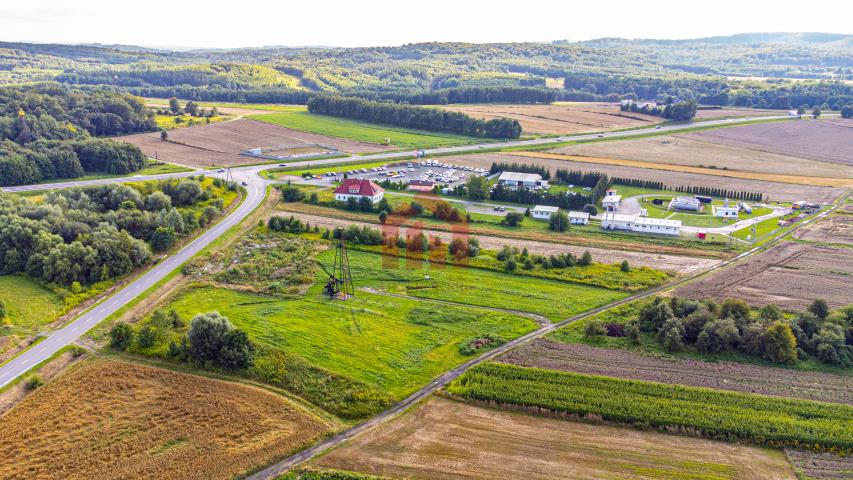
{"x": 770, "y": 177}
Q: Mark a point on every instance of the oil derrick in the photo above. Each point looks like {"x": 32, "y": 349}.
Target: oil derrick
{"x": 340, "y": 279}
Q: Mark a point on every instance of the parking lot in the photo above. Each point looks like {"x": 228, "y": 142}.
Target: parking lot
{"x": 404, "y": 172}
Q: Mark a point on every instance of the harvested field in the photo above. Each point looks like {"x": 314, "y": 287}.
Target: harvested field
{"x": 220, "y": 144}
{"x": 17, "y": 392}
{"x": 776, "y": 191}
{"x": 790, "y": 275}
{"x": 835, "y": 229}
{"x": 826, "y": 141}
{"x": 700, "y": 151}
{"x": 729, "y": 112}
{"x": 821, "y": 465}
{"x": 770, "y": 177}
{"x": 561, "y": 118}
{"x": 680, "y": 265}
{"x": 447, "y": 439}
{"x": 110, "y": 419}
{"x": 739, "y": 377}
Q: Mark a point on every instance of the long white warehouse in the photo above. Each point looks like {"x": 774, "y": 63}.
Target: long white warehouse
{"x": 617, "y": 221}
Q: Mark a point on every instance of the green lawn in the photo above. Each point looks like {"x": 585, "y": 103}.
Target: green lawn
{"x": 29, "y": 305}
{"x": 392, "y": 345}
{"x": 704, "y": 219}
{"x": 553, "y": 299}
{"x": 362, "y": 132}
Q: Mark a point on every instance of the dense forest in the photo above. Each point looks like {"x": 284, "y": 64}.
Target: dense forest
{"x": 96, "y": 233}
{"x": 47, "y": 131}
{"x": 759, "y": 70}
{"x": 409, "y": 116}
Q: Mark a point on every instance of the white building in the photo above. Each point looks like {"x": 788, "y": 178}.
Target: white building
{"x": 515, "y": 180}
{"x": 726, "y": 212}
{"x": 543, "y": 212}
{"x": 358, "y": 189}
{"x": 689, "y": 204}
{"x": 578, "y": 218}
{"x": 633, "y": 223}
{"x": 611, "y": 202}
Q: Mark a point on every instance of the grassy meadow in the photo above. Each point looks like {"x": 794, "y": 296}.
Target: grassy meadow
{"x": 29, "y": 305}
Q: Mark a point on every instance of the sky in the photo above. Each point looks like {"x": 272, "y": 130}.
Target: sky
{"x": 254, "y": 23}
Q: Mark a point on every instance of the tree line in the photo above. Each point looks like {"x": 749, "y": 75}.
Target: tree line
{"x": 679, "y": 111}
{"x": 531, "y": 197}
{"x": 721, "y": 193}
{"x": 444, "y": 96}
{"x": 409, "y": 116}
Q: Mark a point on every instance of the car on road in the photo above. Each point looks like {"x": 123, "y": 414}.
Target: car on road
{"x": 244, "y": 183}
{"x": 657, "y": 128}
{"x": 600, "y": 135}
{"x": 282, "y": 164}
{"x": 221, "y": 170}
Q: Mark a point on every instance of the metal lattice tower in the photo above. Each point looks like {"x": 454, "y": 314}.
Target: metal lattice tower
{"x": 340, "y": 280}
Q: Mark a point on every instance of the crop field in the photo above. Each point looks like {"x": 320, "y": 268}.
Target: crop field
{"x": 839, "y": 181}
{"x": 391, "y": 344}
{"x": 790, "y": 275}
{"x": 826, "y": 140}
{"x": 29, "y": 305}
{"x": 835, "y": 229}
{"x": 550, "y": 298}
{"x": 110, "y": 419}
{"x": 814, "y": 465}
{"x": 363, "y": 132}
{"x": 442, "y": 439}
{"x": 220, "y": 144}
{"x": 763, "y": 420}
{"x": 562, "y": 117}
{"x": 697, "y": 150}
{"x": 774, "y": 190}
{"x": 573, "y": 357}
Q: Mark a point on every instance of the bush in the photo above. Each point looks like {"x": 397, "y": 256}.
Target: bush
{"x": 615, "y": 330}
{"x": 212, "y": 339}
{"x": 718, "y": 336}
{"x": 780, "y": 345}
{"x": 2, "y": 309}
{"x": 819, "y": 308}
{"x": 559, "y": 222}
{"x": 121, "y": 336}
{"x": 594, "y": 328}
{"x": 829, "y": 344}
{"x": 383, "y": 217}
{"x": 458, "y": 248}
{"x": 654, "y": 315}
{"x": 671, "y": 335}
{"x": 585, "y": 260}
{"x": 163, "y": 239}
{"x": 33, "y": 382}
{"x": 632, "y": 331}
{"x": 147, "y": 337}
{"x": 512, "y": 219}
{"x": 624, "y": 266}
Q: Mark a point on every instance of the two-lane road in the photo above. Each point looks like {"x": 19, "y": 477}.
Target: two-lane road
{"x": 58, "y": 339}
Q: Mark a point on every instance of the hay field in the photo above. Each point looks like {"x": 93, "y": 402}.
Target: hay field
{"x": 220, "y": 144}
{"x": 775, "y": 190}
{"x": 561, "y": 117}
{"x": 770, "y": 177}
{"x": 790, "y": 275}
{"x": 29, "y": 305}
{"x": 828, "y": 140}
{"x": 109, "y": 419}
{"x": 447, "y": 439}
{"x": 698, "y": 151}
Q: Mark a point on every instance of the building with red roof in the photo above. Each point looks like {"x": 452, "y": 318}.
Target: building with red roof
{"x": 353, "y": 187}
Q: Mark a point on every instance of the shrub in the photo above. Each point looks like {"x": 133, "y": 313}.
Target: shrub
{"x": 780, "y": 345}
{"x": 559, "y": 221}
{"x": 632, "y": 331}
{"x": 671, "y": 335}
{"x": 594, "y": 328}
{"x": 624, "y": 266}
{"x": 511, "y": 265}
{"x": 513, "y": 219}
{"x": 481, "y": 343}
{"x": 585, "y": 260}
{"x": 2, "y": 309}
{"x": 718, "y": 336}
{"x": 33, "y": 382}
{"x": 458, "y": 248}
{"x": 654, "y": 315}
{"x": 819, "y": 308}
{"x": 121, "y": 336}
{"x": 147, "y": 337}
{"x": 212, "y": 339}
{"x": 829, "y": 345}
{"x": 615, "y": 330}
{"x": 163, "y": 239}
{"x": 695, "y": 322}
{"x": 383, "y": 217}
{"x": 735, "y": 309}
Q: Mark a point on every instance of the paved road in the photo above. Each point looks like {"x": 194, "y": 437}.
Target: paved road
{"x": 80, "y": 325}
{"x": 332, "y": 442}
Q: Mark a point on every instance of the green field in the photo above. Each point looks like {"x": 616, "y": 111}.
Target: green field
{"x": 362, "y": 132}
{"x": 759, "y": 419}
{"x": 29, "y": 305}
{"x": 553, "y": 299}
{"x": 393, "y": 346}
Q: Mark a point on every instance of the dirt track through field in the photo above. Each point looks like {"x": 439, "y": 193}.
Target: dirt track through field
{"x": 741, "y": 377}
{"x": 443, "y": 438}
{"x": 794, "y": 179}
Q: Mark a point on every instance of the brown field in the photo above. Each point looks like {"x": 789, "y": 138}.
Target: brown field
{"x": 835, "y": 229}
{"x": 790, "y": 275}
{"x": 220, "y": 144}
{"x": 677, "y": 264}
{"x": 775, "y": 191}
{"x": 823, "y": 140}
{"x": 740, "y": 377}
{"x": 110, "y": 419}
{"x": 561, "y": 118}
{"x": 226, "y": 110}
{"x": 825, "y": 466}
{"x": 696, "y": 151}
{"x": 728, "y": 112}
{"x": 443, "y": 438}
{"x": 770, "y": 177}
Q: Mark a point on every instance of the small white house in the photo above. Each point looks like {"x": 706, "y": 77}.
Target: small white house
{"x": 515, "y": 180}
{"x": 358, "y": 189}
{"x": 543, "y": 212}
{"x": 611, "y": 202}
{"x": 633, "y": 223}
{"x": 726, "y": 212}
{"x": 578, "y": 218}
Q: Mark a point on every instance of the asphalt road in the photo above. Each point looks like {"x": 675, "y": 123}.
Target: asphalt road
{"x": 106, "y": 307}
{"x": 303, "y": 456}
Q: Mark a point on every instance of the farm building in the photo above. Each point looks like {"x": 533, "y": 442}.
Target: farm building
{"x": 352, "y": 187}
{"x": 726, "y": 211}
{"x": 685, "y": 203}
{"x": 543, "y": 212}
{"x": 615, "y": 221}
{"x": 578, "y": 218}
{"x": 515, "y": 180}
{"x": 611, "y": 201}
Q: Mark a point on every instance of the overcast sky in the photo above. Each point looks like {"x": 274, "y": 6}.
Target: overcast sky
{"x": 251, "y": 23}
